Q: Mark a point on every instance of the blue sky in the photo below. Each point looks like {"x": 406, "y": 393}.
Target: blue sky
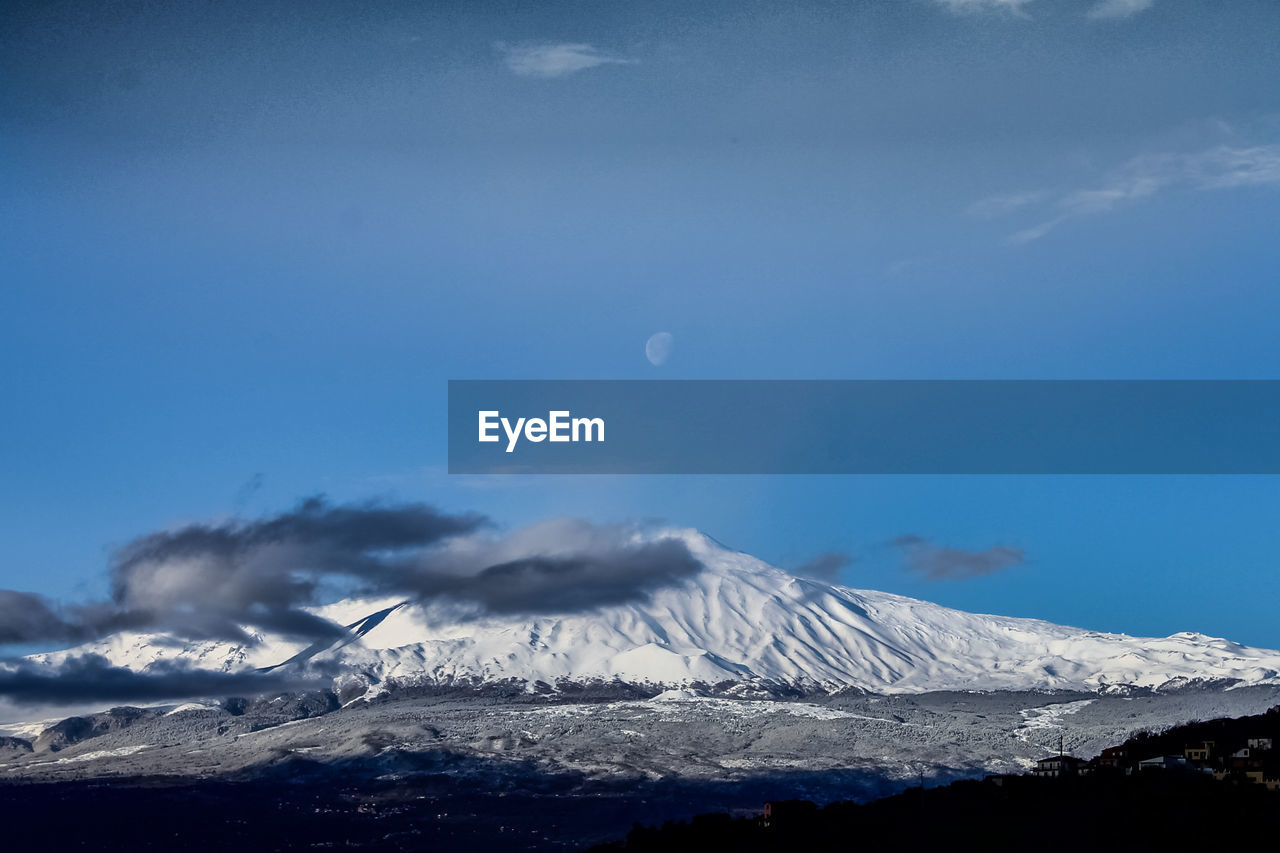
{"x": 245, "y": 249}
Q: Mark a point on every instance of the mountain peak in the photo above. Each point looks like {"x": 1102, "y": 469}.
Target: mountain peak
{"x": 736, "y": 620}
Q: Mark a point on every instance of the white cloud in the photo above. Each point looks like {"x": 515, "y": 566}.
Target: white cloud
{"x": 1000, "y": 205}
{"x": 1143, "y": 177}
{"x": 1102, "y": 10}
{"x": 1013, "y": 6}
{"x": 550, "y": 60}
{"x": 1225, "y": 167}
{"x": 1110, "y": 9}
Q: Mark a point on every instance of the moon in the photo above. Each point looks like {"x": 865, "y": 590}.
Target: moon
{"x": 658, "y": 348}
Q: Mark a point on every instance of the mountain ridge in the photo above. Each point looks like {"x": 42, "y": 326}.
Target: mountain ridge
{"x": 737, "y": 621}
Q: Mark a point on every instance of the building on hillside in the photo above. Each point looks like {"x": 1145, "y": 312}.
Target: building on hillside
{"x": 1203, "y": 752}
{"x": 1056, "y": 766}
{"x": 1259, "y": 744}
{"x": 1114, "y": 757}
{"x": 1165, "y": 762}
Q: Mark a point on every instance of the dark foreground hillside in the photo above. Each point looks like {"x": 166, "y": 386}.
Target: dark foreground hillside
{"x": 1151, "y": 811}
{"x": 442, "y": 804}
{"x": 1207, "y": 784}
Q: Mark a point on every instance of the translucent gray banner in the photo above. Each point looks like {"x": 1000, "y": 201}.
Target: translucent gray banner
{"x": 864, "y": 427}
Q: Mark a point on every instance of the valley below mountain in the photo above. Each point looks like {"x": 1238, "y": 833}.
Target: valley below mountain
{"x": 491, "y": 767}
{"x": 716, "y": 692}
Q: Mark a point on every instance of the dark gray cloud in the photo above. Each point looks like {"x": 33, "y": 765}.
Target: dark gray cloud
{"x": 275, "y": 560}
{"x": 207, "y": 580}
{"x": 558, "y": 566}
{"x": 937, "y": 562}
{"x": 91, "y": 678}
{"x": 260, "y": 572}
{"x": 824, "y": 567}
{"x": 570, "y": 583}
{"x": 27, "y": 617}
{"x": 210, "y": 580}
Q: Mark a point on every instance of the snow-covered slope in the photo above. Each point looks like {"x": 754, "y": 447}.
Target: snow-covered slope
{"x": 737, "y": 620}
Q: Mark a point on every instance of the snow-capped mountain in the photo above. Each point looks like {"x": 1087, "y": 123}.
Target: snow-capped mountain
{"x": 737, "y": 620}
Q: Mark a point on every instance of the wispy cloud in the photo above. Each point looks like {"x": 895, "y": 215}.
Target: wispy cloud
{"x": 92, "y": 678}
{"x": 1000, "y": 205}
{"x": 1143, "y": 177}
{"x": 969, "y": 6}
{"x": 1103, "y": 10}
{"x": 549, "y": 60}
{"x": 1111, "y": 9}
{"x": 824, "y": 567}
{"x": 938, "y": 562}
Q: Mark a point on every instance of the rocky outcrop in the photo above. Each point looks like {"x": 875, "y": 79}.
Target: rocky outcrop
{"x": 73, "y": 730}
{"x": 13, "y": 747}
